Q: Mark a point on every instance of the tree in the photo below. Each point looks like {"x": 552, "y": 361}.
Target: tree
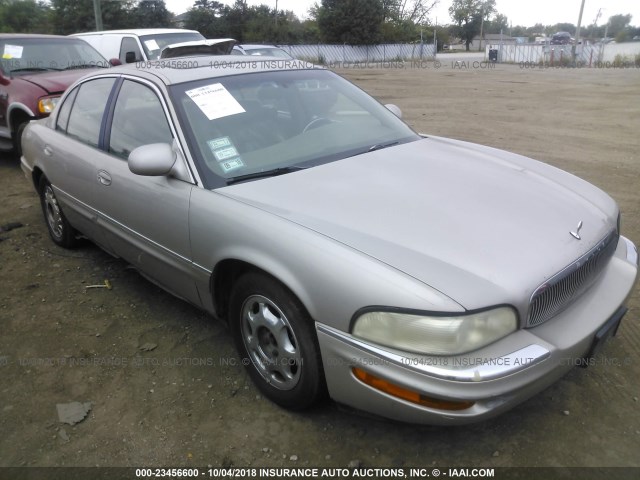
{"x": 405, "y": 19}
{"x": 151, "y": 14}
{"x": 468, "y": 16}
{"x": 260, "y": 25}
{"x": 236, "y": 18}
{"x": 356, "y": 22}
{"x": 563, "y": 27}
{"x": 413, "y": 11}
{"x": 72, "y": 16}
{"x": 499, "y": 23}
{"x": 209, "y": 18}
{"x": 618, "y": 23}
{"x": 593, "y": 31}
{"x": 27, "y": 16}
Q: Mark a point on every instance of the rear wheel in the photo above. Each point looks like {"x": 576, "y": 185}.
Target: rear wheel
{"x": 277, "y": 342}
{"x": 60, "y": 231}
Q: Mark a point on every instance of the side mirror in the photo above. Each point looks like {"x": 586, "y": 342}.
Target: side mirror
{"x": 114, "y": 62}
{"x": 153, "y": 160}
{"x": 394, "y": 109}
{"x": 130, "y": 57}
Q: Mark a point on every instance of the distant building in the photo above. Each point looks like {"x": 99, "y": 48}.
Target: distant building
{"x": 179, "y": 21}
{"x": 491, "y": 39}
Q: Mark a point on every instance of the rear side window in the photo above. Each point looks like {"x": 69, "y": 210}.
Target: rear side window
{"x": 65, "y": 110}
{"x": 129, "y": 44}
{"x": 86, "y": 115}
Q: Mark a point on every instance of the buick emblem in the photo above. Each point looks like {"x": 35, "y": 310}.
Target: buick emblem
{"x": 576, "y": 234}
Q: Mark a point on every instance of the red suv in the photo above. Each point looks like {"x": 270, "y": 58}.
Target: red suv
{"x": 35, "y": 70}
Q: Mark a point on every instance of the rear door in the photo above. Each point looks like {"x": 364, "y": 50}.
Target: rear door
{"x": 71, "y": 150}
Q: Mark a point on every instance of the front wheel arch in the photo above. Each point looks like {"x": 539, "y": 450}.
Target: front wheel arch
{"x": 286, "y": 331}
{"x": 36, "y": 175}
{"x": 226, "y": 273}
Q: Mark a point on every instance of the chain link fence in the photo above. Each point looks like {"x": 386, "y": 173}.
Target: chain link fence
{"x": 586, "y": 55}
{"x": 328, "y": 54}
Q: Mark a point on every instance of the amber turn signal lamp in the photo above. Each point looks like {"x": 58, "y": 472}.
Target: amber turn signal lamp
{"x": 408, "y": 395}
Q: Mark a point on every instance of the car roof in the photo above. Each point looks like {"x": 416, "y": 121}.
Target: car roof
{"x": 172, "y": 72}
{"x": 255, "y": 45}
{"x": 6, "y": 36}
{"x": 139, "y": 31}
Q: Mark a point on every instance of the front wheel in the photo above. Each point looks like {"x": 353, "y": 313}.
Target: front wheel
{"x": 277, "y": 342}
{"x": 60, "y": 231}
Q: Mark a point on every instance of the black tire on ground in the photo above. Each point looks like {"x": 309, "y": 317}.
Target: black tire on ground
{"x": 17, "y": 138}
{"x": 277, "y": 342}
{"x": 60, "y": 231}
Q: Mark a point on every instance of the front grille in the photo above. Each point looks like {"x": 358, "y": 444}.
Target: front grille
{"x": 559, "y": 291}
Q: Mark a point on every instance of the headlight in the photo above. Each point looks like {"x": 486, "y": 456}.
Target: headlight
{"x": 47, "y": 104}
{"x": 436, "y": 335}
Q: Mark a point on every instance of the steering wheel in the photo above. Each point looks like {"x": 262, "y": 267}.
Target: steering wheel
{"x": 316, "y": 122}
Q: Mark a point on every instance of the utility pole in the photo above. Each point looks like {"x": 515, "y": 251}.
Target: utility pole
{"x": 97, "y": 11}
{"x": 276, "y": 14}
{"x": 435, "y": 39}
{"x": 577, "y": 39}
{"x": 481, "y": 27}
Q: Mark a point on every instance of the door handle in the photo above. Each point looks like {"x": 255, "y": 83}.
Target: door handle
{"x": 104, "y": 178}
{"x": 48, "y": 151}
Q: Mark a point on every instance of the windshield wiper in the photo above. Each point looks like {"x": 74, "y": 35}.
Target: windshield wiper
{"x": 34, "y": 69}
{"x": 379, "y": 146}
{"x": 88, "y": 65}
{"x": 373, "y": 148}
{"x": 267, "y": 173}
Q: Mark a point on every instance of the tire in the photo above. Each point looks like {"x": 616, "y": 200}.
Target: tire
{"x": 276, "y": 341}
{"x": 60, "y": 231}
{"x": 17, "y": 140}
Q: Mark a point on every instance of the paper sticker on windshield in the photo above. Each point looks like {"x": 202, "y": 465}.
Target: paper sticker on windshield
{"x": 12, "y": 51}
{"x": 225, "y": 153}
{"x": 215, "y": 101}
{"x": 152, "y": 45}
{"x": 217, "y": 143}
{"x": 231, "y": 165}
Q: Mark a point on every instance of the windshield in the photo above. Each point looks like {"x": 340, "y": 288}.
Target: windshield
{"x": 268, "y": 52}
{"x": 29, "y": 55}
{"x": 153, "y": 44}
{"x": 274, "y": 121}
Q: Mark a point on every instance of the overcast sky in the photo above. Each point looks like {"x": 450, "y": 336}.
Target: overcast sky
{"x": 519, "y": 12}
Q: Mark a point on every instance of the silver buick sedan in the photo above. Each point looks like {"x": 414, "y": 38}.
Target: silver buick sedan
{"x": 419, "y": 278}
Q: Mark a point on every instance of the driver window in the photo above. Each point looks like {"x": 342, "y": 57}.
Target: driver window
{"x": 138, "y": 119}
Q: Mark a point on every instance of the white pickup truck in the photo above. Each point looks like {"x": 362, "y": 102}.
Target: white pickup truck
{"x": 143, "y": 44}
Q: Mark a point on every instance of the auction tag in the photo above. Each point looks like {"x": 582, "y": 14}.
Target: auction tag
{"x": 12, "y": 51}
{"x": 152, "y": 45}
{"x": 215, "y": 101}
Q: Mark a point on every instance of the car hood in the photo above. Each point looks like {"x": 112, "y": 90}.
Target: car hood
{"x": 54, "y": 82}
{"x": 480, "y": 225}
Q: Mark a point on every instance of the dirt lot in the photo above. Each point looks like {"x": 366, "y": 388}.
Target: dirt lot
{"x": 61, "y": 342}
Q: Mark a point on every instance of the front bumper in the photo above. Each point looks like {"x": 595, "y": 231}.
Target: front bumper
{"x": 495, "y": 378}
